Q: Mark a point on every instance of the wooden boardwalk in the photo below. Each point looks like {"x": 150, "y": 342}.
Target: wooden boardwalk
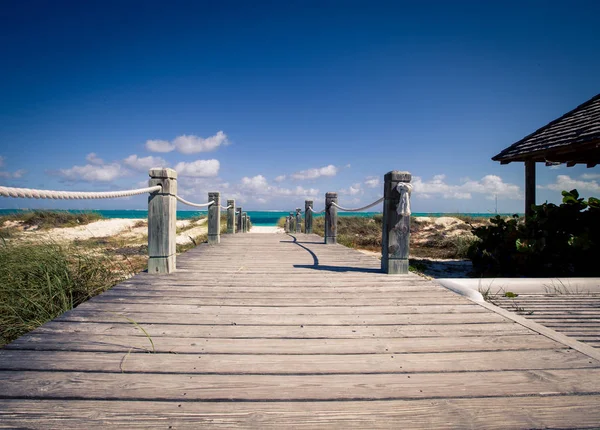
{"x": 269, "y": 331}
{"x": 574, "y": 314}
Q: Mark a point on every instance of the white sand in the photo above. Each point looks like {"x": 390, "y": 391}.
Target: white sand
{"x": 184, "y": 237}
{"x": 103, "y": 228}
{"x": 265, "y": 229}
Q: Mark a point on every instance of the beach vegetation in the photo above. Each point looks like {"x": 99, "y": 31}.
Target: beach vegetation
{"x": 44, "y": 220}
{"x": 555, "y": 240}
{"x": 40, "y": 281}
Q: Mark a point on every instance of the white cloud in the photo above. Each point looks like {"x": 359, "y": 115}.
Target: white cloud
{"x": 352, "y": 190}
{"x": 188, "y": 144}
{"x": 566, "y": 183}
{"x": 14, "y": 175}
{"x": 159, "y": 146}
{"x": 92, "y": 158}
{"x": 489, "y": 185}
{"x": 280, "y": 178}
{"x": 198, "y": 168}
{"x": 10, "y": 175}
{"x": 372, "y": 182}
{"x": 258, "y": 186}
{"x": 144, "y": 163}
{"x": 329, "y": 170}
{"x": 589, "y": 176}
{"x": 92, "y": 173}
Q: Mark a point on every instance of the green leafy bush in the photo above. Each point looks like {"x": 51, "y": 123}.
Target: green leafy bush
{"x": 561, "y": 240}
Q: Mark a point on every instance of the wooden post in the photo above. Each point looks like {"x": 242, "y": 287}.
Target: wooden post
{"x": 292, "y": 223}
{"x": 231, "y": 216}
{"x": 308, "y": 216}
{"x": 162, "y": 214}
{"x": 396, "y": 228}
{"x": 298, "y": 220}
{"x": 239, "y": 226}
{"x": 330, "y": 219}
{"x": 529, "y": 186}
{"x": 245, "y": 222}
{"x": 249, "y": 223}
{"x": 214, "y": 218}
{"x": 287, "y": 224}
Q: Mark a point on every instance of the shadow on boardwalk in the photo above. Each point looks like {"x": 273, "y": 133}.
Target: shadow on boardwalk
{"x": 317, "y": 266}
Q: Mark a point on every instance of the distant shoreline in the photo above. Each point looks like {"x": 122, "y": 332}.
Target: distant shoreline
{"x": 259, "y": 218}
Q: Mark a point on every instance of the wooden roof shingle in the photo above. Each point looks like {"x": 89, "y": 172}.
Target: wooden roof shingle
{"x": 573, "y": 138}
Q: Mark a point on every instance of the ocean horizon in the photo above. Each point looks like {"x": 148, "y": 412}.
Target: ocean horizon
{"x": 259, "y": 218}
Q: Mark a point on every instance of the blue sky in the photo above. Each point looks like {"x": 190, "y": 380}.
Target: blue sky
{"x": 273, "y": 102}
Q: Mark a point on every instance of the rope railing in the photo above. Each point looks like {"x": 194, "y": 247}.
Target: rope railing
{"x": 225, "y": 207}
{"x": 357, "y": 209}
{"x": 30, "y": 193}
{"x": 196, "y": 205}
{"x": 314, "y": 211}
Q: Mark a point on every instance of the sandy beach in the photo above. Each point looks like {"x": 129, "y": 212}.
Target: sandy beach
{"x": 266, "y": 229}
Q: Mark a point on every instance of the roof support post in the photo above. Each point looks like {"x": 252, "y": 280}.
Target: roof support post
{"x": 529, "y": 186}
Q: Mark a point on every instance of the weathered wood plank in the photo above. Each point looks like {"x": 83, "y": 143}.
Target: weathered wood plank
{"x": 286, "y": 319}
{"x": 180, "y": 309}
{"x": 281, "y": 364}
{"x": 481, "y": 413}
{"x": 273, "y": 331}
{"x": 91, "y": 385}
{"x": 365, "y": 345}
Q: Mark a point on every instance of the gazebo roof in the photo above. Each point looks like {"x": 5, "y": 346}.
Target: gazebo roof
{"x": 574, "y": 138}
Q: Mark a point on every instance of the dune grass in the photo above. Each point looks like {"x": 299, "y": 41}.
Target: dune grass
{"x": 39, "y": 282}
{"x": 365, "y": 233}
{"x": 51, "y": 219}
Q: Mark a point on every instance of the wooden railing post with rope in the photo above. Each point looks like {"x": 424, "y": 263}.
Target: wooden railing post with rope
{"x": 214, "y": 218}
{"x": 298, "y": 220}
{"x": 330, "y": 218}
{"x": 162, "y": 215}
{"x": 231, "y": 216}
{"x": 308, "y": 216}
{"x": 396, "y": 222}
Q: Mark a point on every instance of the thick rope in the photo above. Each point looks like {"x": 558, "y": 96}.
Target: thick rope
{"x": 225, "y": 207}
{"x": 357, "y": 209}
{"x": 405, "y": 190}
{"x": 315, "y": 212}
{"x": 196, "y": 205}
{"x": 30, "y": 193}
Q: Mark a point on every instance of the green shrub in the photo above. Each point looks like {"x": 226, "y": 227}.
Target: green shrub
{"x": 554, "y": 240}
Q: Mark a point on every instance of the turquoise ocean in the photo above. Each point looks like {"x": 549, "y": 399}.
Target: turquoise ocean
{"x": 259, "y": 218}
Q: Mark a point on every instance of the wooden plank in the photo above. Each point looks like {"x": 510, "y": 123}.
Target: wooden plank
{"x": 276, "y": 310}
{"x": 365, "y": 345}
{"x": 266, "y": 301}
{"x": 484, "y": 413}
{"x": 125, "y": 386}
{"x": 281, "y": 364}
{"x": 205, "y": 318}
{"x": 297, "y": 332}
